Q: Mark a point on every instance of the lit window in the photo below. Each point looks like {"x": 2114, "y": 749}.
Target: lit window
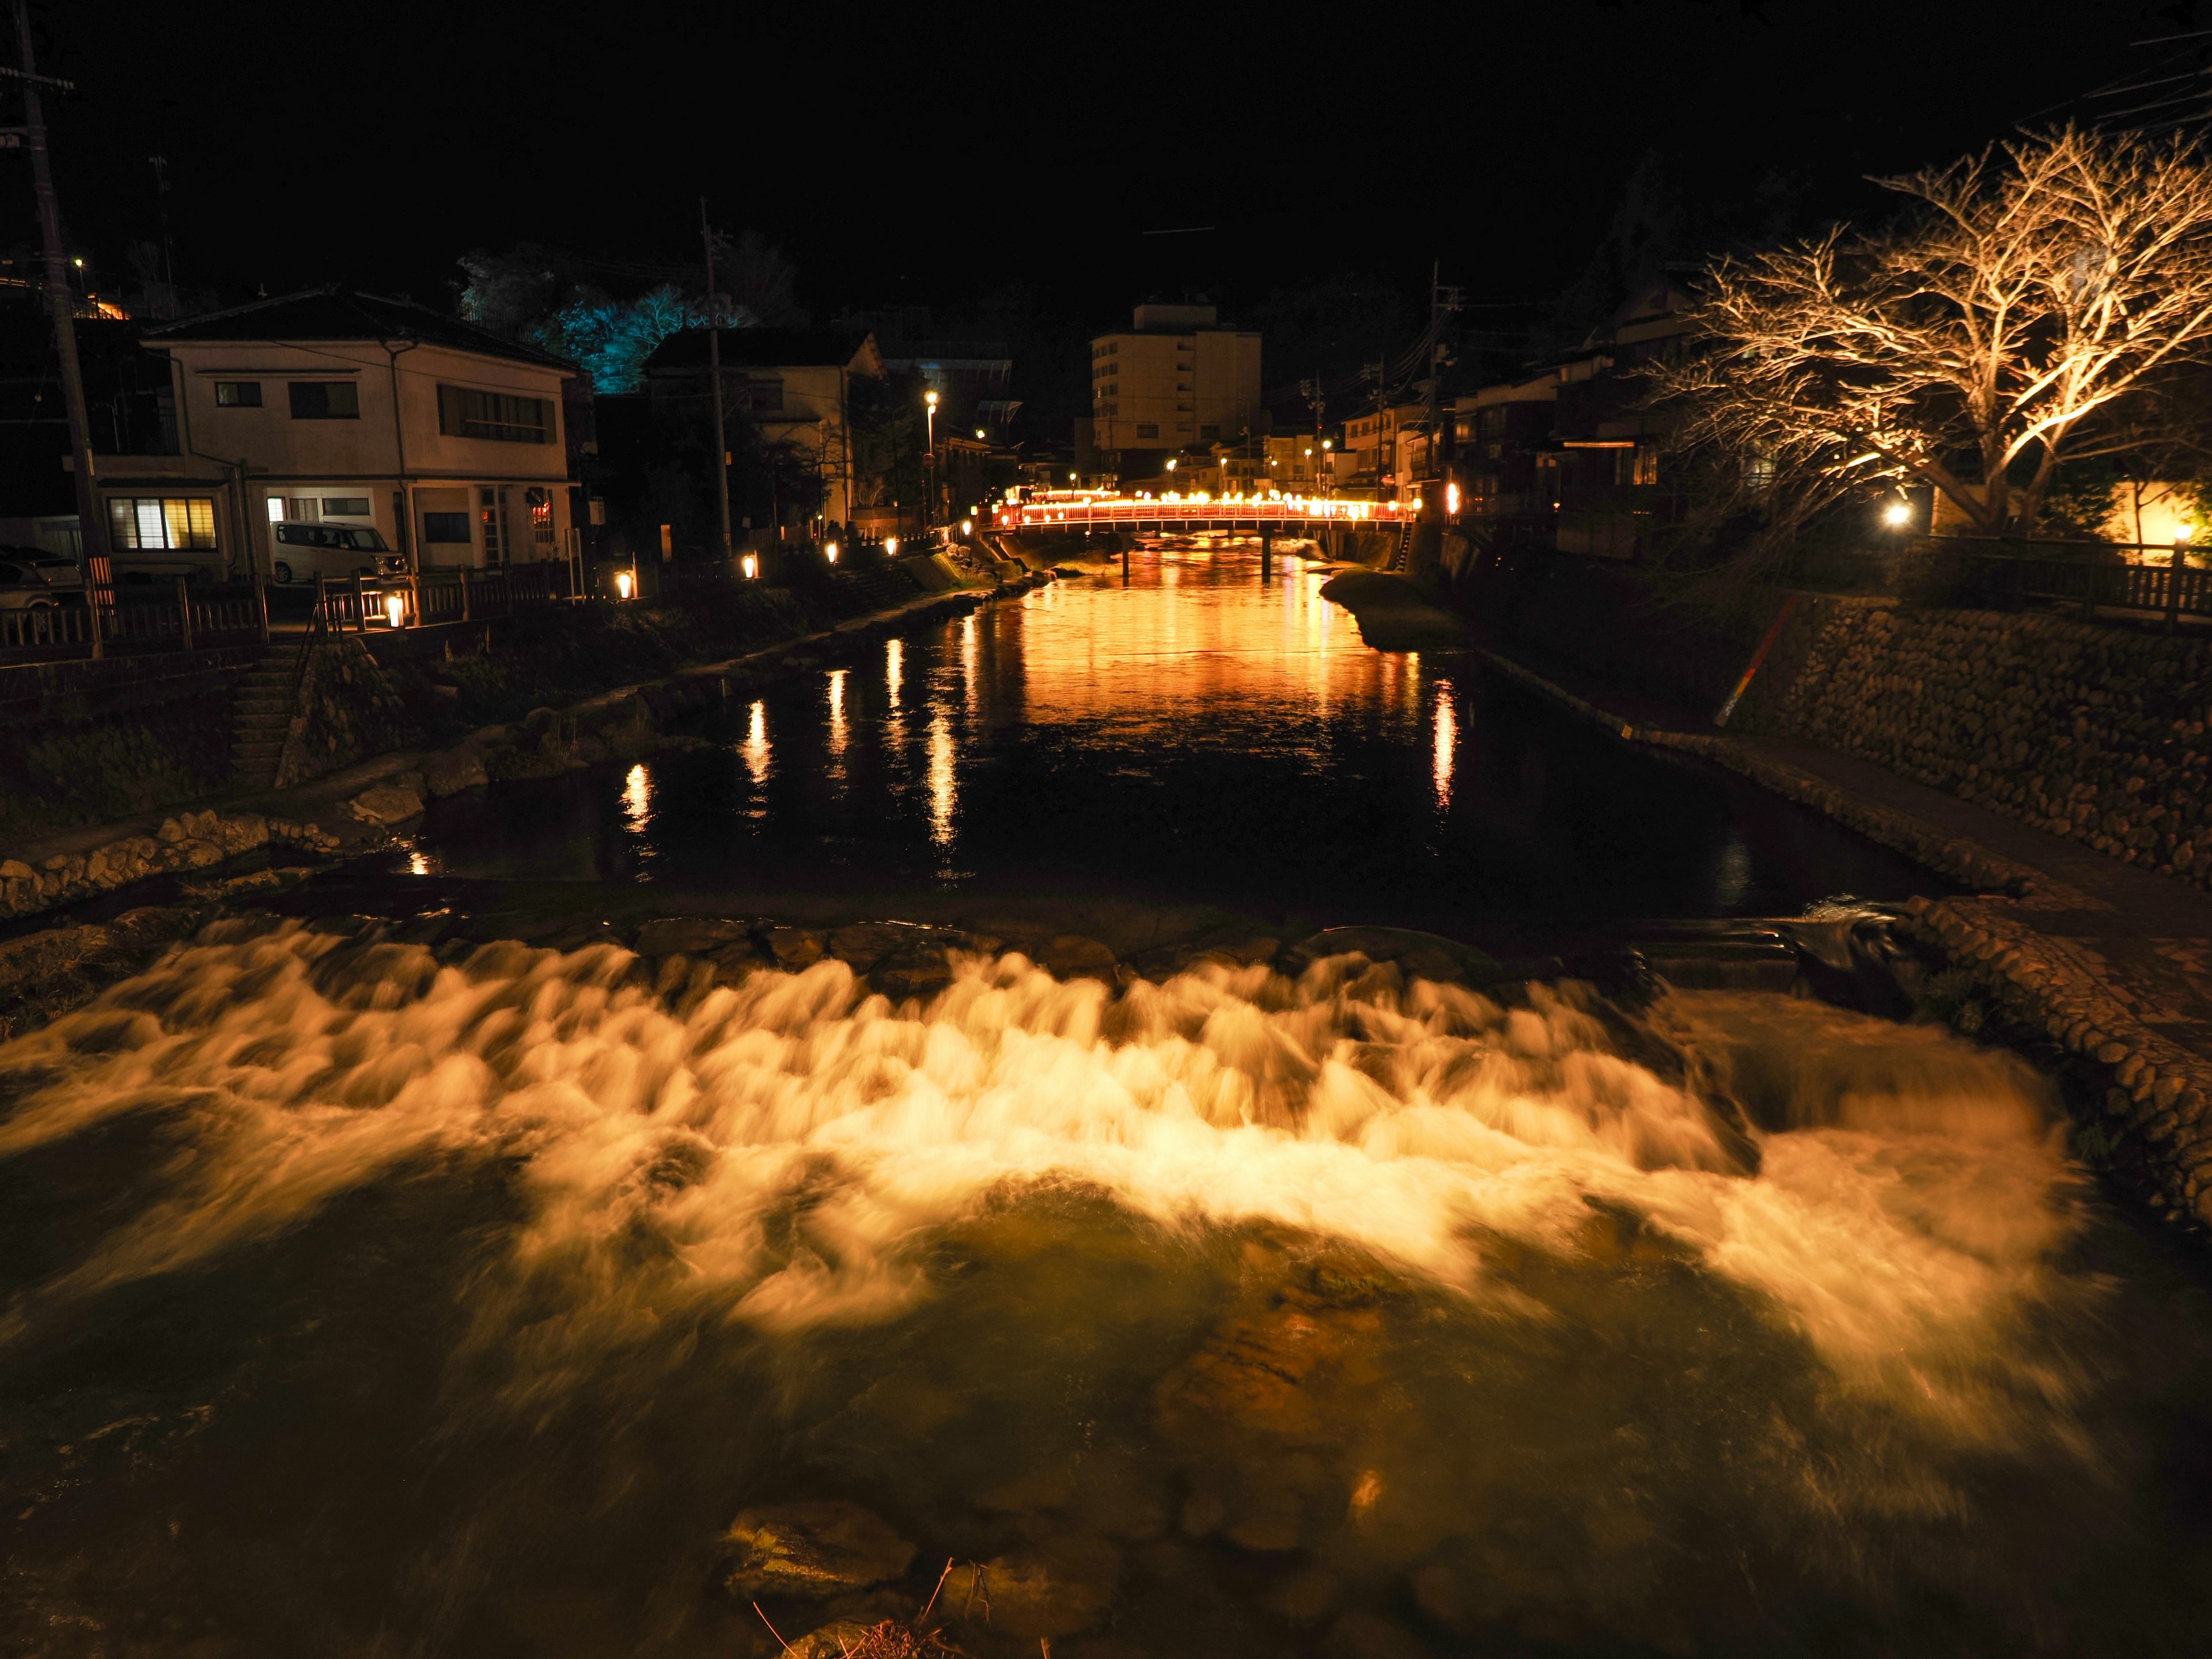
{"x": 161, "y": 521}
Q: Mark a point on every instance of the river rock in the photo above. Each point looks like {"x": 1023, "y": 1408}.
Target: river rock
{"x": 450, "y": 771}
{"x": 813, "y": 1550}
{"x": 794, "y": 948}
{"x": 386, "y": 804}
{"x": 917, "y": 970}
{"x": 1070, "y": 956}
{"x": 1049, "y": 1590}
{"x": 695, "y": 935}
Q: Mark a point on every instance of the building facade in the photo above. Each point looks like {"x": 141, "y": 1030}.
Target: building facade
{"x": 1176, "y": 380}
{"x": 793, "y": 386}
{"x": 338, "y": 407}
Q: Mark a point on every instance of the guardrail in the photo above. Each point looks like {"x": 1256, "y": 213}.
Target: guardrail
{"x": 434, "y": 597}
{"x": 2090, "y": 576}
{"x": 198, "y": 616}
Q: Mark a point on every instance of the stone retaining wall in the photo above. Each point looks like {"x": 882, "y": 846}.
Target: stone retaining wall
{"x": 192, "y": 840}
{"x": 2095, "y": 733}
{"x": 2090, "y": 730}
{"x": 346, "y": 711}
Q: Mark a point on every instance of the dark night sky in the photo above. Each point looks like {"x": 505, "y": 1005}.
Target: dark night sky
{"x": 932, "y": 153}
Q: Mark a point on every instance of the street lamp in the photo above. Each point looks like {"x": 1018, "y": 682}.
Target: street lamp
{"x": 1896, "y": 513}
{"x": 929, "y": 400}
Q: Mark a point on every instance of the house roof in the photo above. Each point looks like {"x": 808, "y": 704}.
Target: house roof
{"x": 340, "y": 314}
{"x": 770, "y": 348}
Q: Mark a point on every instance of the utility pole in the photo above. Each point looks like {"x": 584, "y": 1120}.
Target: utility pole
{"x": 161, "y": 165}
{"x": 1442, "y": 302}
{"x": 99, "y": 573}
{"x": 715, "y": 368}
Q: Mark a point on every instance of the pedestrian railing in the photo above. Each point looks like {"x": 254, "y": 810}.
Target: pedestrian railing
{"x": 2089, "y": 576}
{"x": 196, "y": 617}
{"x": 434, "y": 597}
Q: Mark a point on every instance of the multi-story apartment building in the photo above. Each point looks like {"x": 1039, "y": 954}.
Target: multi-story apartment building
{"x": 1176, "y": 380}
{"x": 346, "y": 408}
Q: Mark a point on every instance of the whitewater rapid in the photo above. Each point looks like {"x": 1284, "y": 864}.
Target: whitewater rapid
{"x": 779, "y": 1153}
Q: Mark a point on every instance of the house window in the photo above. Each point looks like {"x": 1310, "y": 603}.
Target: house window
{"x": 1148, "y": 429}
{"x": 325, "y": 400}
{"x": 446, "y": 527}
{"x": 500, "y": 415}
{"x": 237, "y": 394}
{"x": 345, "y": 506}
{"x": 1209, "y": 433}
{"x": 160, "y": 521}
{"x": 765, "y": 397}
{"x": 303, "y": 509}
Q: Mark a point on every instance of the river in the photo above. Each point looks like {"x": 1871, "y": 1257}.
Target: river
{"x": 375, "y": 1289}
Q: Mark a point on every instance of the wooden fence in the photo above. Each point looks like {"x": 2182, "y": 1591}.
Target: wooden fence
{"x": 198, "y": 615}
{"x": 360, "y": 604}
{"x": 2087, "y": 575}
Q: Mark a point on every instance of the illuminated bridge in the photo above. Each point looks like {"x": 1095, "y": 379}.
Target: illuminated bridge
{"x": 1297, "y": 514}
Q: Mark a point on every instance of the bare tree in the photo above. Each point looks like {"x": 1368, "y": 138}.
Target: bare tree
{"x": 2020, "y": 316}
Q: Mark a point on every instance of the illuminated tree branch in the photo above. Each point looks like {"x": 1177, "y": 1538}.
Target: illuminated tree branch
{"x": 2011, "y": 322}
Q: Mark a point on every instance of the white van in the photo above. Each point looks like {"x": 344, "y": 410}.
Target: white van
{"x": 303, "y": 552}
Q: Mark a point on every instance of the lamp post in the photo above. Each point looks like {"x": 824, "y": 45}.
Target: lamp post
{"x": 929, "y": 401}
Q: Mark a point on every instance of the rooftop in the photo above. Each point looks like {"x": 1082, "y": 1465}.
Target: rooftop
{"x": 339, "y": 314}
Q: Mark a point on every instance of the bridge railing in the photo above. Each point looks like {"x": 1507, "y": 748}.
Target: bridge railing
{"x": 1127, "y": 512}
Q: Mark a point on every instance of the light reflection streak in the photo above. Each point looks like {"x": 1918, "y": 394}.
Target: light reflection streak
{"x": 1447, "y": 743}
{"x": 943, "y": 786}
{"x": 637, "y": 799}
{"x": 756, "y": 750}
{"x": 974, "y": 690}
{"x": 894, "y": 661}
{"x": 837, "y": 733}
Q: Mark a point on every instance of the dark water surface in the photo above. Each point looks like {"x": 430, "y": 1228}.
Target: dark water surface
{"x": 1190, "y": 737}
{"x": 365, "y": 1295}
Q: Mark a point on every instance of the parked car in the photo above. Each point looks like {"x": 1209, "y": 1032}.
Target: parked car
{"x": 22, "y": 589}
{"x": 59, "y": 570}
{"x": 305, "y": 551}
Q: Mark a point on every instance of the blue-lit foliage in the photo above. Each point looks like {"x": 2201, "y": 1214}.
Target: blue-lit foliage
{"x": 525, "y": 296}
{"x": 610, "y": 339}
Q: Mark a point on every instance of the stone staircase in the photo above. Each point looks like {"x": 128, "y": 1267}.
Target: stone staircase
{"x": 1397, "y": 559}
{"x": 261, "y": 717}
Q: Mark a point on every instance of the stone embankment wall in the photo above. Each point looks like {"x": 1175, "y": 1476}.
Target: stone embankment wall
{"x": 2092, "y": 733}
{"x": 346, "y": 711}
{"x": 192, "y": 840}
{"x": 81, "y": 742}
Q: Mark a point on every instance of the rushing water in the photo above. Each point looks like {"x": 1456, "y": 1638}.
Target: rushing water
{"x": 366, "y": 1297}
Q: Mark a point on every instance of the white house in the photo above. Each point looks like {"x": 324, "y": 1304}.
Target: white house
{"x": 347, "y": 407}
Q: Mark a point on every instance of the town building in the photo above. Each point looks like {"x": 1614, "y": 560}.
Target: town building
{"x": 794, "y": 386}
{"x": 336, "y": 406}
{"x": 1370, "y": 463}
{"x": 1498, "y": 432}
{"x": 1177, "y": 378}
